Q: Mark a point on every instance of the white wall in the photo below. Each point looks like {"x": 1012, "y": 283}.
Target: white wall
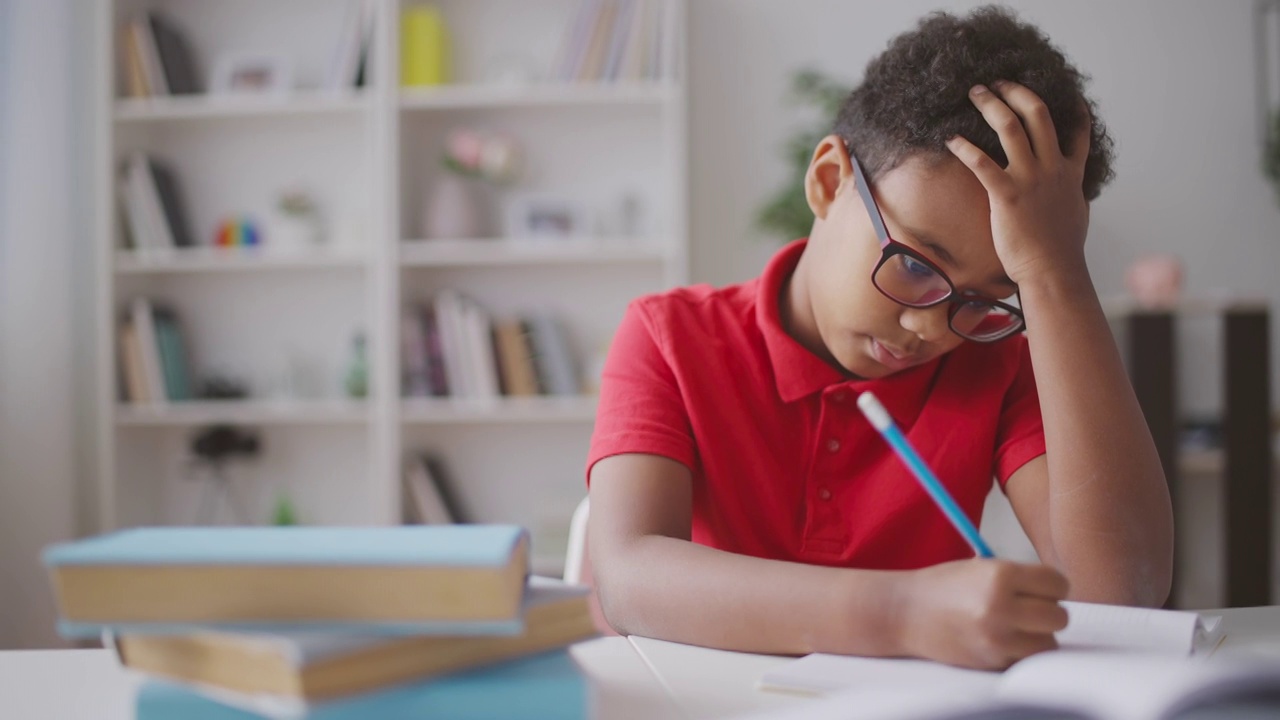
{"x": 1174, "y": 80}
{"x": 37, "y": 465}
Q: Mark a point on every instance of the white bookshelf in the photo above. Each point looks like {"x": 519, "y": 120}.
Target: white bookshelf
{"x": 369, "y": 156}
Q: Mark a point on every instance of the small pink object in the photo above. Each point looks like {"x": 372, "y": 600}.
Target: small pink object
{"x": 1155, "y": 281}
{"x": 466, "y": 148}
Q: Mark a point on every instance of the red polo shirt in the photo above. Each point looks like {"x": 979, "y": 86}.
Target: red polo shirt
{"x": 784, "y": 465}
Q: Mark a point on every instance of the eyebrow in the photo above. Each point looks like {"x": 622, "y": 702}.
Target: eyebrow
{"x": 943, "y": 254}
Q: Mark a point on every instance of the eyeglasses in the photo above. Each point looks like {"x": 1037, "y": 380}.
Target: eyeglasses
{"x": 908, "y": 278}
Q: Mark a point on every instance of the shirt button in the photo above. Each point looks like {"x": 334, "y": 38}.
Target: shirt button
{"x": 825, "y": 494}
{"x": 833, "y": 445}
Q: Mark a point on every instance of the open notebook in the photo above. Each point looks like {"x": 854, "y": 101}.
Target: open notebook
{"x": 1090, "y": 627}
{"x": 1068, "y": 685}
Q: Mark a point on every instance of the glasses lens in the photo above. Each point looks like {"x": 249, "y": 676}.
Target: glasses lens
{"x": 910, "y": 281}
{"x": 982, "y": 321}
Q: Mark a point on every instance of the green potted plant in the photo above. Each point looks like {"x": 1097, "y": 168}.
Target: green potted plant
{"x": 786, "y": 214}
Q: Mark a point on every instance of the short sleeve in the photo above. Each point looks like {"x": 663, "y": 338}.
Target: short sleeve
{"x": 641, "y": 408}
{"x": 1020, "y": 433}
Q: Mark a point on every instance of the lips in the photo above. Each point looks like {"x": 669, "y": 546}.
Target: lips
{"x": 893, "y": 359}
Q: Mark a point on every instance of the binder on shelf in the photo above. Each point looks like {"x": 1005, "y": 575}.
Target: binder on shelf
{"x": 552, "y": 356}
{"x": 155, "y": 59}
{"x": 428, "y": 500}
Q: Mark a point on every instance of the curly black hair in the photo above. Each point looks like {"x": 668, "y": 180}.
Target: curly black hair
{"x": 915, "y": 95}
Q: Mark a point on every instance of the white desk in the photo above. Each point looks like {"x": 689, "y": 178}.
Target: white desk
{"x": 89, "y": 685}
{"x": 716, "y": 684}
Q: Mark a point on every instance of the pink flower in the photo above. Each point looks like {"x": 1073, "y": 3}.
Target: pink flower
{"x": 465, "y": 147}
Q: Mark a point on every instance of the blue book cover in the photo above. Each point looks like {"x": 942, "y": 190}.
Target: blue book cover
{"x": 414, "y": 545}
{"x": 544, "y": 687}
{"x": 500, "y": 548}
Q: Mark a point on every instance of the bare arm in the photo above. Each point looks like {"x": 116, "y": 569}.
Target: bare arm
{"x": 653, "y": 581}
{"x": 1100, "y": 487}
{"x": 1098, "y": 505}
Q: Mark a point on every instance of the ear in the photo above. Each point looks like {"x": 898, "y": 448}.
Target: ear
{"x": 828, "y": 175}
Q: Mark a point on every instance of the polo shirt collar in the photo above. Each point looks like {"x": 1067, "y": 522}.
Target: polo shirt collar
{"x": 798, "y": 372}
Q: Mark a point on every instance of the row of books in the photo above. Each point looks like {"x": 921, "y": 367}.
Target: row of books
{"x": 151, "y": 205}
{"x": 153, "y": 356}
{"x": 428, "y": 498}
{"x": 453, "y": 347}
{"x": 156, "y": 59}
{"x": 612, "y": 40}
{"x": 336, "y": 623}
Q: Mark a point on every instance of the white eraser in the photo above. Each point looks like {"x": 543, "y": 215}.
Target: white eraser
{"x": 875, "y": 412}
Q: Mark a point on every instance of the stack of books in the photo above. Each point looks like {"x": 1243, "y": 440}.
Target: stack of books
{"x": 337, "y": 623}
{"x": 453, "y": 347}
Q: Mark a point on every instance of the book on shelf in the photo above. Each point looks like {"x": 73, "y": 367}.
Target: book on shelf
{"x": 151, "y": 201}
{"x": 453, "y": 346}
{"x": 547, "y": 686}
{"x": 155, "y": 58}
{"x": 612, "y": 40}
{"x": 553, "y": 358}
{"x": 347, "y": 64}
{"x": 153, "y": 358}
{"x": 428, "y": 497}
{"x": 317, "y": 666}
{"x": 515, "y": 358}
{"x": 407, "y": 579}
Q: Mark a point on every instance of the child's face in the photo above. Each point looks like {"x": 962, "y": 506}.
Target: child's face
{"x": 936, "y": 207}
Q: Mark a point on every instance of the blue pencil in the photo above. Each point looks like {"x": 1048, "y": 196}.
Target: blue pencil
{"x": 881, "y": 421}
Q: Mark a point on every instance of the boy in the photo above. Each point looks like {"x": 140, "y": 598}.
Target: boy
{"x": 738, "y": 498}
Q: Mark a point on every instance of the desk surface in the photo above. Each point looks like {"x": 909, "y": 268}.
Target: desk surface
{"x": 635, "y": 677}
{"x": 717, "y": 684}
{"x": 89, "y": 684}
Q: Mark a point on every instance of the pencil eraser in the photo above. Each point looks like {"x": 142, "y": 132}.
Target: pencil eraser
{"x": 870, "y": 406}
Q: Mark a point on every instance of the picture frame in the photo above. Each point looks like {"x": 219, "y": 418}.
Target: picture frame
{"x": 546, "y": 216}
{"x": 238, "y": 73}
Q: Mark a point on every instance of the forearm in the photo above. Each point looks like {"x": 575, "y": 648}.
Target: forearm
{"x": 1109, "y": 510}
{"x": 673, "y": 589}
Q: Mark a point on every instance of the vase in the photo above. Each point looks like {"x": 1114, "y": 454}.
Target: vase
{"x": 453, "y": 208}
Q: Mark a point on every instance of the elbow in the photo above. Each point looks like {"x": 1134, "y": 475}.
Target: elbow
{"x": 611, "y": 576}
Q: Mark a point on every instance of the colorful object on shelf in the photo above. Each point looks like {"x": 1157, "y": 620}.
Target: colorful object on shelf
{"x": 285, "y": 514}
{"x": 357, "y": 379}
{"x": 495, "y": 157}
{"x": 425, "y": 47}
{"x": 237, "y": 232}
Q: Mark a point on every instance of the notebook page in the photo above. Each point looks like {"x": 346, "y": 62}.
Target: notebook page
{"x": 1128, "y": 628}
{"x": 1127, "y": 686}
{"x": 820, "y": 673}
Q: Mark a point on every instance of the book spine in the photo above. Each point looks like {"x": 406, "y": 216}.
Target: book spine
{"x": 618, "y": 38}
{"x": 144, "y": 325}
{"x": 135, "y": 377}
{"x": 414, "y": 379}
{"x": 437, "y": 373}
{"x": 555, "y": 360}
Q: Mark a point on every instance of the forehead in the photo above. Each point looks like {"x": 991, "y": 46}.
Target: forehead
{"x": 942, "y": 201}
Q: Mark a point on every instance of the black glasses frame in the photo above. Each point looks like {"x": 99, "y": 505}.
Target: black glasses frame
{"x": 890, "y": 247}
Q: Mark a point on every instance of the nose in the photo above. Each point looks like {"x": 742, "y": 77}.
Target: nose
{"x": 928, "y": 324}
